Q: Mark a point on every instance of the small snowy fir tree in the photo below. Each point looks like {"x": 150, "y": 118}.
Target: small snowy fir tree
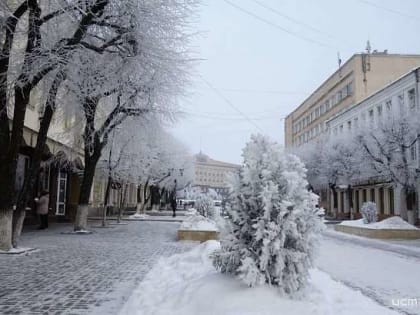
{"x": 369, "y": 212}
{"x": 273, "y": 220}
{"x": 205, "y": 205}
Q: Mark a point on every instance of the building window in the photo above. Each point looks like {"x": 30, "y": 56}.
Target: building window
{"x": 401, "y": 102}
{"x": 356, "y": 122}
{"x": 317, "y": 112}
{"x": 379, "y": 112}
{"x": 335, "y": 131}
{"x": 349, "y": 125}
{"x": 322, "y": 109}
{"x": 339, "y": 96}
{"x": 349, "y": 88}
{"x": 327, "y": 105}
{"x": 341, "y": 128}
{"x": 371, "y": 116}
{"x": 388, "y": 105}
{"x": 412, "y": 98}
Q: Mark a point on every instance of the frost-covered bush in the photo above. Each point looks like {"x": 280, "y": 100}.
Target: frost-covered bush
{"x": 274, "y": 225}
{"x": 369, "y": 212}
{"x": 205, "y": 205}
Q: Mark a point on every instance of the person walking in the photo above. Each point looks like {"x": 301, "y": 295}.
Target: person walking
{"x": 173, "y": 200}
{"x": 42, "y": 209}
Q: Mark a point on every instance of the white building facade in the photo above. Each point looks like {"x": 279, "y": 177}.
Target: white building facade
{"x": 398, "y": 98}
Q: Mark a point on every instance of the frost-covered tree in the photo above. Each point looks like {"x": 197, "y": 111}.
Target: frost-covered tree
{"x": 273, "y": 218}
{"x": 37, "y": 42}
{"x": 331, "y": 163}
{"x": 369, "y": 212}
{"x": 204, "y": 204}
{"x": 390, "y": 151}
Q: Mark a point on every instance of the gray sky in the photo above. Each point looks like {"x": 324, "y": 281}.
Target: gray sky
{"x": 265, "y": 71}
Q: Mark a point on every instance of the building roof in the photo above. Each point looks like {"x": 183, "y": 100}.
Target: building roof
{"x": 373, "y": 54}
{"x": 204, "y": 159}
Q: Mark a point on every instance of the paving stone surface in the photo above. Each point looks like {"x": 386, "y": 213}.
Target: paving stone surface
{"x": 83, "y": 274}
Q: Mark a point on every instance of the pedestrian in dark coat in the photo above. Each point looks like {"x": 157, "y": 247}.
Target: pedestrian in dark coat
{"x": 42, "y": 209}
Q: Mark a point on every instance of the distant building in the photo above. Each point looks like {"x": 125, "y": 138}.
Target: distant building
{"x": 209, "y": 173}
{"x": 362, "y": 75}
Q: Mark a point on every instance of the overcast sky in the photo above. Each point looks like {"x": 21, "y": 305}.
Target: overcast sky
{"x": 259, "y": 63}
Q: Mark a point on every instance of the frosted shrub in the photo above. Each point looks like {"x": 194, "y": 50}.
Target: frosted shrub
{"x": 369, "y": 212}
{"x": 205, "y": 205}
{"x": 274, "y": 226}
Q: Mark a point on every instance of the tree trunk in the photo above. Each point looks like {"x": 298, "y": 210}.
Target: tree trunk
{"x": 6, "y": 229}
{"x": 334, "y": 197}
{"x": 122, "y": 203}
{"x": 30, "y": 179}
{"x": 17, "y": 225}
{"x": 80, "y": 223}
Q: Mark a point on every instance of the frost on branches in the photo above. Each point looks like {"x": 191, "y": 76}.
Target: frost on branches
{"x": 205, "y": 205}
{"x": 273, "y": 218}
{"x": 369, "y": 212}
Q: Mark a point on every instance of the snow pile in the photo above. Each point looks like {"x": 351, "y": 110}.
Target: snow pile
{"x": 191, "y": 211}
{"x": 198, "y": 223}
{"x": 188, "y": 284}
{"x": 392, "y": 223}
{"x": 139, "y": 216}
{"x": 274, "y": 220}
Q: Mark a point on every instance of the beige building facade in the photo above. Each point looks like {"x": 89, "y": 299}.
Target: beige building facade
{"x": 362, "y": 75}
{"x": 209, "y": 173}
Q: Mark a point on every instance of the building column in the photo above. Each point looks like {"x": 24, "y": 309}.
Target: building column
{"x": 378, "y": 200}
{"x": 331, "y": 195}
{"x": 400, "y": 202}
{"x": 339, "y": 210}
{"x": 346, "y": 201}
{"x": 360, "y": 199}
{"x": 387, "y": 210}
{"x": 368, "y": 194}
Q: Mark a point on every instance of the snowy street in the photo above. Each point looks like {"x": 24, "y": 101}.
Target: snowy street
{"x": 83, "y": 274}
{"x": 386, "y": 271}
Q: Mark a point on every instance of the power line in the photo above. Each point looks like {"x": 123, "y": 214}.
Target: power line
{"x": 275, "y": 11}
{"x": 242, "y": 90}
{"x": 390, "y": 10}
{"x": 276, "y": 25}
{"x": 218, "y": 93}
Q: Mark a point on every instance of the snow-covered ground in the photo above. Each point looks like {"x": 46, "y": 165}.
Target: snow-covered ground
{"x": 188, "y": 284}
{"x": 388, "y": 273}
{"x": 393, "y": 223}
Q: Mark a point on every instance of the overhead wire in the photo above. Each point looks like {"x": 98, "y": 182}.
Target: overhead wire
{"x": 287, "y": 17}
{"x": 402, "y": 14}
{"x": 227, "y": 101}
{"x": 268, "y": 22}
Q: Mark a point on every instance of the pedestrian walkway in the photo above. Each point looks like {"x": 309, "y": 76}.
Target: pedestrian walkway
{"x": 83, "y": 274}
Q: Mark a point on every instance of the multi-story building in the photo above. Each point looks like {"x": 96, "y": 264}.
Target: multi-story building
{"x": 362, "y": 75}
{"x": 401, "y": 97}
{"x": 209, "y": 173}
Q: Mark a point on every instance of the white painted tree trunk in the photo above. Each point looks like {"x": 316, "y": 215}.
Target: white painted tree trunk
{"x": 6, "y": 217}
{"x": 18, "y": 226}
{"x": 80, "y": 223}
